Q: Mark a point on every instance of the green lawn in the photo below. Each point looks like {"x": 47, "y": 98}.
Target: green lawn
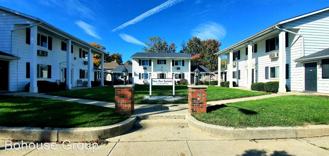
{"x": 39, "y": 112}
{"x": 215, "y": 93}
{"x": 98, "y": 93}
{"x": 107, "y": 93}
{"x": 277, "y": 111}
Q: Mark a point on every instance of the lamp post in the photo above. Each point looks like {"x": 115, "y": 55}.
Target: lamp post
{"x": 196, "y": 76}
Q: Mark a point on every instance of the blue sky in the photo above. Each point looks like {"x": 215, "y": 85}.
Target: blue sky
{"x": 125, "y": 25}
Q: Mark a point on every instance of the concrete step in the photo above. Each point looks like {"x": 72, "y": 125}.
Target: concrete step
{"x": 181, "y": 123}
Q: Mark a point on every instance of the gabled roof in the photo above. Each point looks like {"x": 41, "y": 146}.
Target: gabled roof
{"x": 43, "y": 23}
{"x": 323, "y": 54}
{"x": 121, "y": 68}
{"x": 271, "y": 28}
{"x": 6, "y": 56}
{"x": 162, "y": 55}
{"x": 201, "y": 69}
{"x": 110, "y": 65}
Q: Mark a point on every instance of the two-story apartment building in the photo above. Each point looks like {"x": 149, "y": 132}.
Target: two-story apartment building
{"x": 147, "y": 66}
{"x": 32, "y": 50}
{"x": 293, "y": 52}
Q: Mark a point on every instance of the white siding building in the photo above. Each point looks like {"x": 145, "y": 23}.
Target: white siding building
{"x": 293, "y": 52}
{"x": 147, "y": 66}
{"x": 33, "y": 50}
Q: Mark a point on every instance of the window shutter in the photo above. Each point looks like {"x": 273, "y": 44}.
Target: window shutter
{"x": 266, "y": 72}
{"x": 173, "y": 63}
{"x": 28, "y": 35}
{"x": 27, "y": 70}
{"x": 49, "y": 72}
{"x": 50, "y": 43}
{"x": 72, "y": 48}
{"x": 239, "y": 74}
{"x": 239, "y": 55}
{"x": 325, "y": 68}
{"x": 38, "y": 39}
{"x": 183, "y": 63}
{"x": 38, "y": 70}
{"x": 80, "y": 52}
{"x": 246, "y": 51}
{"x": 255, "y": 48}
{"x": 287, "y": 39}
{"x": 165, "y": 61}
{"x": 140, "y": 63}
{"x": 140, "y": 75}
{"x": 287, "y": 71}
{"x": 150, "y": 62}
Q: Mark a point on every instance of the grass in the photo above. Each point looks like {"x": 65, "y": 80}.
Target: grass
{"x": 97, "y": 93}
{"x": 277, "y": 111}
{"x": 107, "y": 93}
{"x": 39, "y": 112}
{"x": 215, "y": 93}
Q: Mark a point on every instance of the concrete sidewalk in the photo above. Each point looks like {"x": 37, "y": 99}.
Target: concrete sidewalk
{"x": 163, "y": 137}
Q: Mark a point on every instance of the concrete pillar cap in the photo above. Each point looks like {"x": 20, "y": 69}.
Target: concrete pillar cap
{"x": 123, "y": 86}
{"x": 197, "y": 86}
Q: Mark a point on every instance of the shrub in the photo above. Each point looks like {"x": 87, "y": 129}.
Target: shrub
{"x": 271, "y": 87}
{"x": 258, "y": 86}
{"x": 47, "y": 86}
{"x": 213, "y": 83}
{"x": 183, "y": 82}
{"x": 225, "y": 84}
{"x": 235, "y": 84}
{"x": 95, "y": 83}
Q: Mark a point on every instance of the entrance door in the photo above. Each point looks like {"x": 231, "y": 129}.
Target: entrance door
{"x": 310, "y": 77}
{"x": 4, "y": 75}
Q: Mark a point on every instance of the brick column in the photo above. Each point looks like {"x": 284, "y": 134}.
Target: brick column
{"x": 197, "y": 99}
{"x": 124, "y": 99}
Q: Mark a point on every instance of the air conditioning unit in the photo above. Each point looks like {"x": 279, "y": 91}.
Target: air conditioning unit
{"x": 274, "y": 55}
{"x": 144, "y": 68}
{"x": 178, "y": 68}
{"x": 85, "y": 62}
{"x": 42, "y": 53}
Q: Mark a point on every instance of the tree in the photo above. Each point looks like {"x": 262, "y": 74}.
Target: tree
{"x": 203, "y": 52}
{"x": 159, "y": 45}
{"x": 114, "y": 57}
{"x": 98, "y": 46}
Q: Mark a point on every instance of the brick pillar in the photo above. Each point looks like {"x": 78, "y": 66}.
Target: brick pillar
{"x": 197, "y": 99}
{"x": 124, "y": 99}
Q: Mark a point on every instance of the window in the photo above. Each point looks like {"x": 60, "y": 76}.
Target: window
{"x": 236, "y": 55}
{"x": 234, "y": 75}
{"x": 246, "y": 51}
{"x": 180, "y": 76}
{"x": 254, "y": 48}
{"x": 274, "y": 72}
{"x": 162, "y": 76}
{"x": 239, "y": 73}
{"x": 63, "y": 46}
{"x": 83, "y": 74}
{"x": 178, "y": 63}
{"x": 272, "y": 44}
{"x": 287, "y": 71}
{"x": 27, "y": 69}
{"x": 42, "y": 40}
{"x": 162, "y": 62}
{"x": 82, "y": 53}
{"x": 266, "y": 72}
{"x": 44, "y": 71}
{"x": 145, "y": 62}
{"x": 72, "y": 48}
{"x": 28, "y": 35}
{"x": 50, "y": 43}
{"x": 325, "y": 69}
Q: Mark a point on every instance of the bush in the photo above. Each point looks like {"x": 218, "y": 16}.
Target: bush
{"x": 95, "y": 83}
{"x": 47, "y": 86}
{"x": 235, "y": 84}
{"x": 183, "y": 82}
{"x": 225, "y": 84}
{"x": 271, "y": 87}
{"x": 258, "y": 86}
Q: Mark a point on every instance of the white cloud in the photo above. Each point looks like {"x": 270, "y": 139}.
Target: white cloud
{"x": 131, "y": 39}
{"x": 72, "y": 7}
{"x": 209, "y": 30}
{"x": 148, "y": 13}
{"x": 89, "y": 29}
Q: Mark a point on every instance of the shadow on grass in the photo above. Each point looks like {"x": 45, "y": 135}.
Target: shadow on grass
{"x": 242, "y": 110}
{"x": 255, "y": 152}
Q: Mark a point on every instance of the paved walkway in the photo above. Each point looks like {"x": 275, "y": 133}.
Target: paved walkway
{"x": 162, "y": 136}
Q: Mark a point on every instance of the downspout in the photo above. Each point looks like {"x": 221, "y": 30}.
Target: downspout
{"x": 299, "y": 35}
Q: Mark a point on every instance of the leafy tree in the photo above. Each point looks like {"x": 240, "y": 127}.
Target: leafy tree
{"x": 159, "y": 45}
{"x": 203, "y": 52}
{"x": 98, "y": 46}
{"x": 114, "y": 57}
